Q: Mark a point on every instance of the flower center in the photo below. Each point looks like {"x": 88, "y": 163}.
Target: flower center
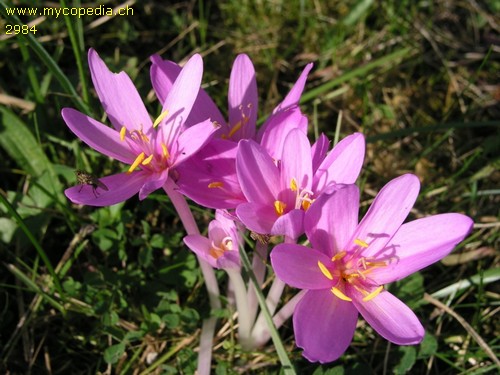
{"x": 217, "y": 251}
{"x": 302, "y": 196}
{"x": 352, "y": 269}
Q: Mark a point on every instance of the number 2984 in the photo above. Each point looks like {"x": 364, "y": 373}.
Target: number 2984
{"x": 19, "y": 29}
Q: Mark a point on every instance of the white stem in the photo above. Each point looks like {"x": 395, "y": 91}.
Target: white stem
{"x": 244, "y": 322}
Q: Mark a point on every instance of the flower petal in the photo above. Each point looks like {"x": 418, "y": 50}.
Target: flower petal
{"x": 257, "y": 217}
{"x": 343, "y": 164}
{"x": 391, "y": 318}
{"x": 420, "y": 243}
{"x": 296, "y": 162}
{"x": 297, "y": 266}
{"x": 257, "y": 174}
{"x": 273, "y": 132}
{"x": 386, "y": 214}
{"x": 290, "y": 224}
{"x": 120, "y": 188}
{"x": 332, "y": 218}
{"x": 100, "y": 137}
{"x": 209, "y": 177}
{"x": 293, "y": 97}
{"x": 118, "y": 96}
{"x": 180, "y": 99}
{"x": 318, "y": 151}
{"x": 324, "y": 325}
{"x": 163, "y": 75}
{"x": 242, "y": 98}
{"x": 200, "y": 246}
{"x": 155, "y": 181}
{"x": 192, "y": 139}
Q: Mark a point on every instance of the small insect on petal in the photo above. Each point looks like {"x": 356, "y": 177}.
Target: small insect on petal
{"x": 84, "y": 178}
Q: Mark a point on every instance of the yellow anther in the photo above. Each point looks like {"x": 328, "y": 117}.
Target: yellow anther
{"x": 306, "y": 204}
{"x": 216, "y": 253}
{"x": 138, "y": 160}
{"x": 293, "y": 184}
{"x": 325, "y": 271}
{"x": 373, "y": 294}
{"x": 340, "y": 295}
{"x": 166, "y": 154}
{"x": 216, "y": 184}
{"x": 159, "y": 118}
{"x": 279, "y": 207}
{"x": 147, "y": 160}
{"x": 235, "y": 128}
{"x": 339, "y": 256}
{"x": 123, "y": 132}
{"x": 360, "y": 243}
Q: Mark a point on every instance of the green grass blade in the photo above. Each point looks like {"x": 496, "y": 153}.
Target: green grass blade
{"x": 486, "y": 277}
{"x": 46, "y": 59}
{"x": 34, "y": 242}
{"x": 384, "y": 61}
{"x": 75, "y": 33}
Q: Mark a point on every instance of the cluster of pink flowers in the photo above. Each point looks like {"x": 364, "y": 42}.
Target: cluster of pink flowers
{"x": 269, "y": 181}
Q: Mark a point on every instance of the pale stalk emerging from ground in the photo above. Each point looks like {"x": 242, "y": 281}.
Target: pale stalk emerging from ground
{"x": 208, "y": 328}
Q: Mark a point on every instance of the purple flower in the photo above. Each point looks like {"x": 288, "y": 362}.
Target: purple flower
{"x": 349, "y": 263}
{"x": 220, "y": 249}
{"x": 153, "y": 147}
{"x": 280, "y": 191}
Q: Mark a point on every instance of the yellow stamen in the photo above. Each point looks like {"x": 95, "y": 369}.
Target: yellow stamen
{"x": 306, "y": 204}
{"x": 325, "y": 271}
{"x": 138, "y": 160}
{"x": 147, "y": 160}
{"x": 360, "y": 243}
{"x": 123, "y": 132}
{"x": 166, "y": 154}
{"x": 339, "y": 256}
{"x": 340, "y": 295}
{"x": 235, "y": 128}
{"x": 160, "y": 117}
{"x": 216, "y": 184}
{"x": 293, "y": 184}
{"x": 216, "y": 253}
{"x": 373, "y": 294}
{"x": 279, "y": 207}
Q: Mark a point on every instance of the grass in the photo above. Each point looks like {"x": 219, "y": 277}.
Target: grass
{"x": 111, "y": 290}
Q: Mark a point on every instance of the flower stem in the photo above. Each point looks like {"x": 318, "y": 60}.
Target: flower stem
{"x": 244, "y": 321}
{"x": 259, "y": 270}
{"x": 208, "y": 327}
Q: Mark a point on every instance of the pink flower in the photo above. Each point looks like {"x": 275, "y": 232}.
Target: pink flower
{"x": 349, "y": 263}
{"x": 209, "y": 178}
{"x": 153, "y": 147}
{"x": 220, "y": 249}
{"x": 278, "y": 192}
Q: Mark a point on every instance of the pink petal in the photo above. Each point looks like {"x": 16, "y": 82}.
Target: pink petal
{"x": 215, "y": 162}
{"x": 100, "y": 137}
{"x": 343, "y": 164}
{"x": 258, "y": 176}
{"x": 296, "y": 161}
{"x": 181, "y": 98}
{"x": 324, "y": 325}
{"x": 155, "y": 181}
{"x": 200, "y": 246}
{"x": 319, "y": 150}
{"x": 192, "y": 139}
{"x": 257, "y": 217}
{"x": 242, "y": 97}
{"x": 273, "y": 133}
{"x": 297, "y": 266}
{"x": 332, "y": 218}
{"x": 293, "y": 97}
{"x": 290, "y": 224}
{"x": 386, "y": 213}
{"x": 120, "y": 188}
{"x": 420, "y": 243}
{"x": 118, "y": 96}
{"x": 229, "y": 260}
{"x": 391, "y": 318}
{"x": 163, "y": 75}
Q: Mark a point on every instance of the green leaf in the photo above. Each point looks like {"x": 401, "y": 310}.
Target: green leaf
{"x": 407, "y": 361}
{"x": 486, "y": 277}
{"x": 428, "y": 347}
{"x": 114, "y": 353}
{"x": 20, "y": 144}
